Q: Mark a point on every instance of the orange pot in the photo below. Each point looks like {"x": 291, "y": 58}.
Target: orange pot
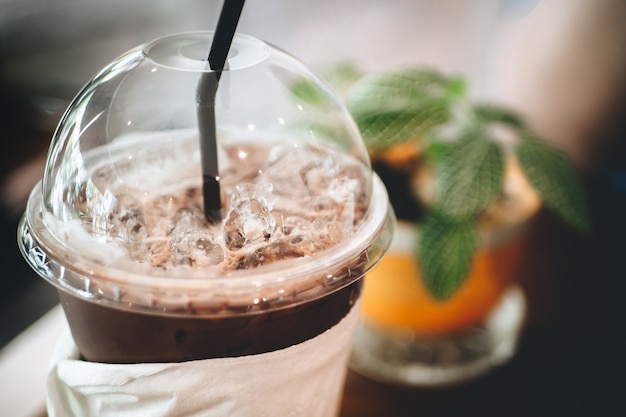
{"x": 395, "y": 295}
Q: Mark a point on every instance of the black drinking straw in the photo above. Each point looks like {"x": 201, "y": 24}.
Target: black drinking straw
{"x": 207, "y": 91}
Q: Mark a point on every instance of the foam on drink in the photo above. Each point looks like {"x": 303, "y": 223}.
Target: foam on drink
{"x": 288, "y": 201}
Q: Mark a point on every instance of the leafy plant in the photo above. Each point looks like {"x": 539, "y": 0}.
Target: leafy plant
{"x": 466, "y": 143}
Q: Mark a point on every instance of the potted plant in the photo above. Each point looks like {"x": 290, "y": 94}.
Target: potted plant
{"x": 464, "y": 178}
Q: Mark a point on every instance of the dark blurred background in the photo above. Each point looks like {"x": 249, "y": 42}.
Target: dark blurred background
{"x": 48, "y": 51}
{"x": 562, "y": 63}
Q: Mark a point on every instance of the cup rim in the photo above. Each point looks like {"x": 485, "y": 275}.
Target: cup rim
{"x": 378, "y": 218}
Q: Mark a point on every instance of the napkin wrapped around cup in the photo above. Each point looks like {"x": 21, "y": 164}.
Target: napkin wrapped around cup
{"x": 304, "y": 380}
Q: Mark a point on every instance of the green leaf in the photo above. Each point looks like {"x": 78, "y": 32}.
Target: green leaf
{"x": 341, "y": 76}
{"x": 386, "y": 127}
{"x": 471, "y": 175}
{"x": 393, "y": 107}
{"x": 456, "y": 88}
{"x": 446, "y": 250}
{"x": 398, "y": 89}
{"x": 555, "y": 179}
{"x": 435, "y": 152}
{"x": 495, "y": 114}
{"x": 308, "y": 92}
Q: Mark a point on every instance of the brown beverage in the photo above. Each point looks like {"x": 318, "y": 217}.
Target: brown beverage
{"x": 165, "y": 236}
{"x": 128, "y": 337}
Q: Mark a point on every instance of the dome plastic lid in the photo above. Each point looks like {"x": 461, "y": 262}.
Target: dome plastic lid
{"x": 119, "y": 213}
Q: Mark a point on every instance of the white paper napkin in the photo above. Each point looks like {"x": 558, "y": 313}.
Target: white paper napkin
{"x": 304, "y": 380}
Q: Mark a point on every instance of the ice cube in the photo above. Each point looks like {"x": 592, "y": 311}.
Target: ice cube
{"x": 263, "y": 193}
{"x": 343, "y": 189}
{"x": 233, "y": 235}
{"x": 185, "y": 220}
{"x": 127, "y": 226}
{"x": 205, "y": 252}
{"x": 160, "y": 253}
{"x": 249, "y": 218}
{"x": 190, "y": 241}
{"x": 283, "y": 167}
{"x": 253, "y": 227}
{"x": 317, "y": 174}
{"x": 195, "y": 249}
{"x": 326, "y": 232}
{"x": 294, "y": 224}
{"x": 285, "y": 248}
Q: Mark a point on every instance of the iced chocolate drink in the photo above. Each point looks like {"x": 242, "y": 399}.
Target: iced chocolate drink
{"x": 287, "y": 205}
{"x": 118, "y": 226}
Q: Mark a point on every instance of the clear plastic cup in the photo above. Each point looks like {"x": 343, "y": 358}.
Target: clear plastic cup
{"x": 117, "y": 223}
